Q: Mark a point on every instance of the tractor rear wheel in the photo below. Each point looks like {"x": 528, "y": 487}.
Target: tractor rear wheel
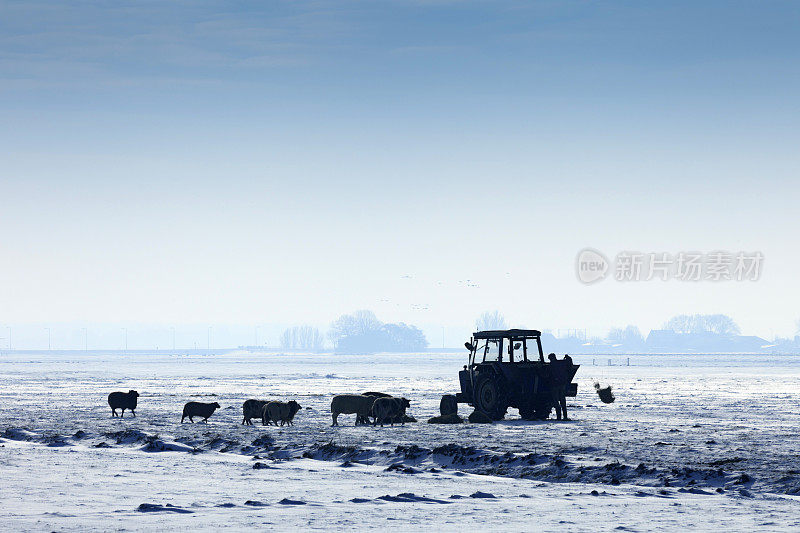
{"x": 490, "y": 397}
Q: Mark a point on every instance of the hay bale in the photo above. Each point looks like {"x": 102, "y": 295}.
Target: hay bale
{"x": 605, "y": 394}
{"x": 479, "y": 417}
{"x": 448, "y": 405}
{"x": 446, "y": 419}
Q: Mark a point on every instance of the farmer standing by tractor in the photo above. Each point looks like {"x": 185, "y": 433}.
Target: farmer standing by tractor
{"x": 559, "y": 370}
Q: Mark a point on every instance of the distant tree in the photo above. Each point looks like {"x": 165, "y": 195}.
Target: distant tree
{"x": 629, "y": 335}
{"x": 633, "y": 333}
{"x": 679, "y": 324}
{"x": 616, "y": 334}
{"x": 358, "y": 323}
{"x": 694, "y": 324}
{"x": 721, "y": 325}
{"x": 362, "y": 332}
{"x": 302, "y": 338}
{"x": 490, "y": 320}
{"x": 405, "y": 338}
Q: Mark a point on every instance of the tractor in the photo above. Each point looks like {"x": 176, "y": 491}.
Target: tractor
{"x": 500, "y": 374}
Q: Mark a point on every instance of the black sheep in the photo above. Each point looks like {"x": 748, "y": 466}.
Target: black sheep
{"x": 123, "y": 400}
{"x": 252, "y": 409}
{"x": 204, "y": 410}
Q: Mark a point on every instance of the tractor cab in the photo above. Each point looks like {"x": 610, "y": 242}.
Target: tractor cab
{"x": 510, "y": 346}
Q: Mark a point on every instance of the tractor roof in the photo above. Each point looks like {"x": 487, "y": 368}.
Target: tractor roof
{"x": 508, "y": 334}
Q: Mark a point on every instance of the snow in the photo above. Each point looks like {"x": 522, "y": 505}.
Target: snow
{"x": 698, "y": 442}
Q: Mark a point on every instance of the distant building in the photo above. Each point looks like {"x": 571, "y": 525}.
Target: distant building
{"x": 749, "y": 343}
{"x": 667, "y": 340}
{"x": 664, "y": 340}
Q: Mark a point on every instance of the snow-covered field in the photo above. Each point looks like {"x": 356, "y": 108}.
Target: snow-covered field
{"x": 697, "y": 441}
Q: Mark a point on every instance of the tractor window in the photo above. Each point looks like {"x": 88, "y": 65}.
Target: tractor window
{"x": 492, "y": 351}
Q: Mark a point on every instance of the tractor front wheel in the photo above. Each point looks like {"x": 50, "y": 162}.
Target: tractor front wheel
{"x": 490, "y": 397}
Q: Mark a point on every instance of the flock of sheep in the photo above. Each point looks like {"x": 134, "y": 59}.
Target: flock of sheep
{"x": 381, "y": 407}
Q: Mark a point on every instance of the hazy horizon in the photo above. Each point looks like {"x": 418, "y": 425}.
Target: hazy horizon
{"x": 146, "y": 336}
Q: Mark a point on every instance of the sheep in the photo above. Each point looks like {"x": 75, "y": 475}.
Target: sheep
{"x": 123, "y": 400}
{"x": 204, "y": 410}
{"x": 280, "y": 412}
{"x": 365, "y": 419}
{"x": 377, "y": 394}
{"x": 399, "y": 419}
{"x": 252, "y": 409}
{"x": 357, "y": 404}
{"x": 389, "y": 410}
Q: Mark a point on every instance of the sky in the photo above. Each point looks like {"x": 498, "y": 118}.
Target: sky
{"x": 235, "y": 164}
